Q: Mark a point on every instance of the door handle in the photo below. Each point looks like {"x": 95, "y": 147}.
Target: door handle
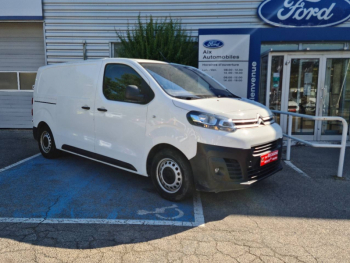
{"x": 101, "y": 109}
{"x": 85, "y": 108}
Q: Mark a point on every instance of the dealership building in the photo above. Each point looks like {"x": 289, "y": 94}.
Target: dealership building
{"x": 289, "y": 55}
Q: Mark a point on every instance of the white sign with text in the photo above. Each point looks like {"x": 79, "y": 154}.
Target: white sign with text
{"x": 225, "y": 58}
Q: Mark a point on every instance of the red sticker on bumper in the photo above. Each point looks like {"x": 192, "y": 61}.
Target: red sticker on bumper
{"x": 269, "y": 158}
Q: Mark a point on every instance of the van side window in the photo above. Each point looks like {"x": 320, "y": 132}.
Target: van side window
{"x": 117, "y": 77}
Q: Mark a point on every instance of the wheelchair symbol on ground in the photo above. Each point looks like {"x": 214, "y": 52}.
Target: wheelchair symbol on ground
{"x": 161, "y": 210}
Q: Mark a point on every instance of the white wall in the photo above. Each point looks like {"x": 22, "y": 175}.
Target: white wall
{"x": 16, "y": 109}
{"x": 21, "y": 46}
{"x": 21, "y": 49}
{"x": 18, "y": 8}
{"x": 69, "y": 23}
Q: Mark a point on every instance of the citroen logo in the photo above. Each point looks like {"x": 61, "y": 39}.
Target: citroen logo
{"x": 260, "y": 120}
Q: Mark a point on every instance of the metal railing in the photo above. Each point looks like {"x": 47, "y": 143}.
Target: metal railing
{"x": 342, "y": 146}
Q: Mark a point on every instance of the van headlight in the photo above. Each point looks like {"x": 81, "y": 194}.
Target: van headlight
{"x": 210, "y": 121}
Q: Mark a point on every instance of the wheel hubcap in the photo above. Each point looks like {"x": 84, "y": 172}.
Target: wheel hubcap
{"x": 45, "y": 142}
{"x": 169, "y": 175}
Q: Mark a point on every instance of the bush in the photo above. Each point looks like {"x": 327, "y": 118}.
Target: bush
{"x": 163, "y": 40}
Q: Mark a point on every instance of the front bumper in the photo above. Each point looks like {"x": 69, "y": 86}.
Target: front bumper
{"x": 238, "y": 168}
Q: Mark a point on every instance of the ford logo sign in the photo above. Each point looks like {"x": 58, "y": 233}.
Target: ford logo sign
{"x": 304, "y": 13}
{"x": 213, "y": 43}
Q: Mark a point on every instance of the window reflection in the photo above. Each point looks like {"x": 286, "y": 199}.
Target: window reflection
{"x": 117, "y": 77}
{"x": 276, "y": 84}
{"x": 303, "y": 93}
{"x": 8, "y": 81}
{"x": 27, "y": 80}
{"x": 263, "y": 79}
{"x": 336, "y": 97}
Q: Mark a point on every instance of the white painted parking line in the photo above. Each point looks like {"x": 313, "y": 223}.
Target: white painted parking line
{"x": 22, "y": 161}
{"x": 96, "y": 221}
{"x": 198, "y": 210}
{"x": 289, "y": 163}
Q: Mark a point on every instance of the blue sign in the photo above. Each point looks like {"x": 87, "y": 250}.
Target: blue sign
{"x": 304, "y": 13}
{"x": 273, "y": 35}
{"x": 213, "y": 43}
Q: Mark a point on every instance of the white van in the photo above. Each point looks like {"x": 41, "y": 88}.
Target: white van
{"x": 170, "y": 122}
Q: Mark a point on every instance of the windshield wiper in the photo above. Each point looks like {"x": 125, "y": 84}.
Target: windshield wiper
{"x": 221, "y": 94}
{"x": 187, "y": 97}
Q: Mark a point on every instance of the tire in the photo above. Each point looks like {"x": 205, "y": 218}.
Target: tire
{"x": 171, "y": 174}
{"x": 47, "y": 144}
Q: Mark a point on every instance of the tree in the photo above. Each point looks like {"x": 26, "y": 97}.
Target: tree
{"x": 163, "y": 40}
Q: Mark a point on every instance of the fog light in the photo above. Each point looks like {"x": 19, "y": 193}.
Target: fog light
{"x": 217, "y": 170}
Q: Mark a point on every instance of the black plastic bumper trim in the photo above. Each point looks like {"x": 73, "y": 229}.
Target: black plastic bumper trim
{"x": 35, "y": 133}
{"x": 209, "y": 157}
{"x": 98, "y": 157}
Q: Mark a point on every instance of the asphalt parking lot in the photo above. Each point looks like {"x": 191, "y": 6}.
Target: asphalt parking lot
{"x": 75, "y": 210}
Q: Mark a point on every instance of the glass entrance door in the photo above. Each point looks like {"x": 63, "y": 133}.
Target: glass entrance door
{"x": 335, "y": 96}
{"x": 276, "y": 80}
{"x": 315, "y": 84}
{"x": 302, "y": 92}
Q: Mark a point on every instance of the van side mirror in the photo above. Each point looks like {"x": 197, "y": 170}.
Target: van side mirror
{"x": 133, "y": 93}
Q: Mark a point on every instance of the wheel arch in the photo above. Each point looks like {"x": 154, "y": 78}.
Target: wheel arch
{"x": 155, "y": 150}
{"x": 41, "y": 125}
{"x": 37, "y": 130}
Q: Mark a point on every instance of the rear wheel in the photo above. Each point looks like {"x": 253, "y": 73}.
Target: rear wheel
{"x": 47, "y": 143}
{"x": 171, "y": 174}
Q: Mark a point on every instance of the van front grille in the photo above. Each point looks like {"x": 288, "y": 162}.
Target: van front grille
{"x": 257, "y": 173}
{"x": 267, "y": 147}
{"x": 234, "y": 169}
{"x": 252, "y": 123}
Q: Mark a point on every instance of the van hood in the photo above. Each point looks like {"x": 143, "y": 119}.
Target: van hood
{"x": 236, "y": 109}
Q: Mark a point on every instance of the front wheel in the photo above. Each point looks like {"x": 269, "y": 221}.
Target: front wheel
{"x": 171, "y": 174}
{"x": 47, "y": 143}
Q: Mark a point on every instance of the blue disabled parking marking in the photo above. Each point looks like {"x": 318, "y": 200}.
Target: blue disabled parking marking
{"x": 72, "y": 189}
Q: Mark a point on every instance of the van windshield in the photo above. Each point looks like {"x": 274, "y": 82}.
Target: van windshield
{"x": 186, "y": 82}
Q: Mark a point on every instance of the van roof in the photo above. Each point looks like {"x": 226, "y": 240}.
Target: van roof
{"x": 134, "y": 59}
{"x": 106, "y": 59}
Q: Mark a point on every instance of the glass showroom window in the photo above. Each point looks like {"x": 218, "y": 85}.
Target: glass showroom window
{"x": 8, "y": 81}
{"x": 266, "y": 47}
{"x": 26, "y": 80}
{"x": 17, "y": 80}
{"x": 115, "y": 49}
{"x": 323, "y": 46}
